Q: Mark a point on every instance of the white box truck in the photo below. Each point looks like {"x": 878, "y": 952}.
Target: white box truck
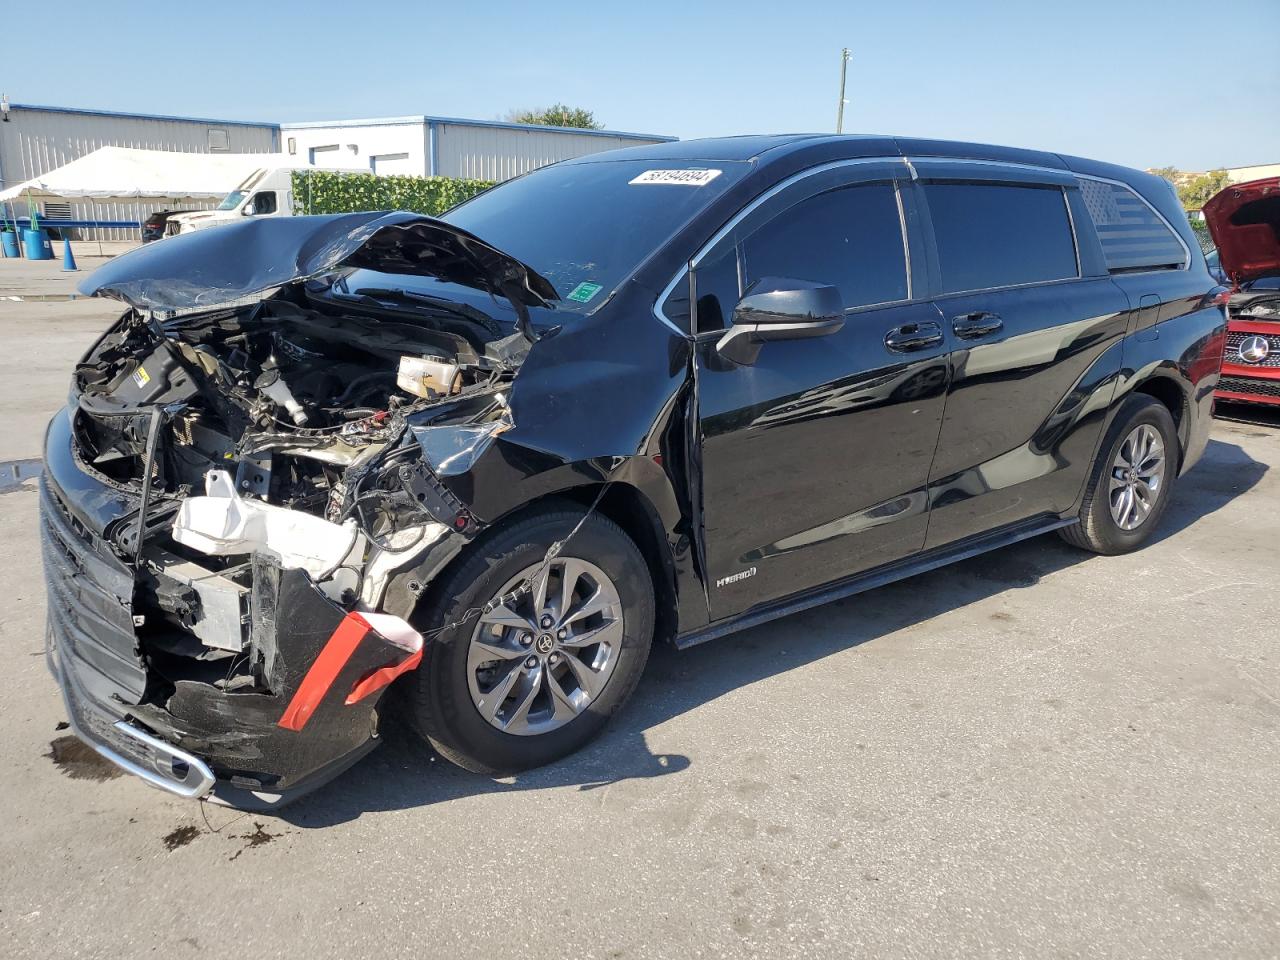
{"x": 267, "y": 192}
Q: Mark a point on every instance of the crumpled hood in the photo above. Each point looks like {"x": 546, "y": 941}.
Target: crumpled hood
{"x": 211, "y": 267}
{"x": 1244, "y": 221}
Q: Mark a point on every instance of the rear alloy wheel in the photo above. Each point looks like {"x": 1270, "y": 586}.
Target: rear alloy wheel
{"x": 531, "y": 657}
{"x": 1131, "y": 479}
{"x": 1137, "y": 476}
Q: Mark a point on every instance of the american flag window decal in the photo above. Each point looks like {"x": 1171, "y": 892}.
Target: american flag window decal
{"x": 1133, "y": 236}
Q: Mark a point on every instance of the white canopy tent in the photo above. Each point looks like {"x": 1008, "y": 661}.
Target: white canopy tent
{"x": 122, "y": 172}
{"x": 131, "y": 183}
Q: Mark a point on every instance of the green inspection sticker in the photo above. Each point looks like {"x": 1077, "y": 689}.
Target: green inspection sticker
{"x": 584, "y": 291}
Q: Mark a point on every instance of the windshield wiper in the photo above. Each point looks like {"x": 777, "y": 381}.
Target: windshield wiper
{"x": 463, "y": 310}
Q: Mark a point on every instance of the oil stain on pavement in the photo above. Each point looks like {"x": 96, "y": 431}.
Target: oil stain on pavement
{"x": 79, "y": 761}
{"x": 257, "y": 838}
{"x": 180, "y": 837}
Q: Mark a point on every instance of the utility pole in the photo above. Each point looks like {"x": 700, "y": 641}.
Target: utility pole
{"x": 844, "y": 67}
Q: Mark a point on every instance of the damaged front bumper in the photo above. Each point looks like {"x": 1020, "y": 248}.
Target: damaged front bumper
{"x": 176, "y": 721}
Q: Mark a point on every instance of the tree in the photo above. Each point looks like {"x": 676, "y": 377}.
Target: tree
{"x": 1169, "y": 173}
{"x": 1195, "y": 193}
{"x": 557, "y": 115}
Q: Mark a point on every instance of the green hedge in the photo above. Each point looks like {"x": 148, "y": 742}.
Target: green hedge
{"x": 1202, "y": 234}
{"x": 326, "y": 191}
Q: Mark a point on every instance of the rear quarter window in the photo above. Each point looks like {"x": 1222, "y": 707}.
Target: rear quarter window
{"x": 999, "y": 235}
{"x": 1133, "y": 237}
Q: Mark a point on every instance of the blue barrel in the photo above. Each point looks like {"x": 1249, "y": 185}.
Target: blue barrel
{"x": 9, "y": 240}
{"x": 37, "y": 244}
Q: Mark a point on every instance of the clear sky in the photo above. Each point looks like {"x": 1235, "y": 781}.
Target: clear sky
{"x": 1192, "y": 84}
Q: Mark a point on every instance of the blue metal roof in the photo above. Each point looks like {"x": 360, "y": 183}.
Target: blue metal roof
{"x": 143, "y": 116}
{"x": 463, "y": 122}
{"x": 373, "y": 122}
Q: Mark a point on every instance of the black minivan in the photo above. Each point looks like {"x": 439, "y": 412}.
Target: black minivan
{"x": 473, "y": 467}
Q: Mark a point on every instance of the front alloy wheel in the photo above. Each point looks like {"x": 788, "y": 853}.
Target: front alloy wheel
{"x": 536, "y": 663}
{"x": 530, "y": 658}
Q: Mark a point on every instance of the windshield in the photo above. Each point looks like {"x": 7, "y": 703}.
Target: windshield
{"x": 232, "y": 200}
{"x": 583, "y": 226}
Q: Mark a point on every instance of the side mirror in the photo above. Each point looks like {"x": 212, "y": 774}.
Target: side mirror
{"x": 776, "y": 308}
{"x": 248, "y": 210}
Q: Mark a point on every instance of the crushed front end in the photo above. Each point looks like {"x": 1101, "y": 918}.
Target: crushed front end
{"x": 144, "y": 690}
{"x": 238, "y": 516}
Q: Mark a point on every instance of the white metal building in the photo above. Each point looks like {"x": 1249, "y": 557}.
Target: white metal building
{"x": 447, "y": 146}
{"x": 35, "y": 140}
{"x": 1258, "y": 171}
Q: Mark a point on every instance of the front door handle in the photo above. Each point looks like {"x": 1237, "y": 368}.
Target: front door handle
{"x": 971, "y": 326}
{"x": 911, "y": 337}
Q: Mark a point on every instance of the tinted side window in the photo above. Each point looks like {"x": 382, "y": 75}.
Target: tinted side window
{"x": 850, "y": 238}
{"x": 995, "y": 235}
{"x": 1133, "y": 237}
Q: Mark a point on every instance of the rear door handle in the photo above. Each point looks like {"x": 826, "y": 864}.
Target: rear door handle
{"x": 971, "y": 326}
{"x": 913, "y": 336}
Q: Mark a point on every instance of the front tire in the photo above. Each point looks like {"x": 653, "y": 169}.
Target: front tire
{"x": 1131, "y": 480}
{"x": 535, "y": 678}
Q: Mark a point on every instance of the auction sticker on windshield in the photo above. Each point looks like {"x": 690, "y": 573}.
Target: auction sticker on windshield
{"x": 686, "y": 178}
{"x": 584, "y": 291}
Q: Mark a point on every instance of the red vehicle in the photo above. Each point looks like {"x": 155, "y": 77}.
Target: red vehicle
{"x": 1244, "y": 220}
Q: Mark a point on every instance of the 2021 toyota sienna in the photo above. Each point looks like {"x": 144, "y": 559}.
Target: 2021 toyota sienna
{"x": 475, "y": 466}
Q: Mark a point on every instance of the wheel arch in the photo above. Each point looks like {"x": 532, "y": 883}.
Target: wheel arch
{"x": 635, "y": 513}
{"x": 625, "y": 505}
{"x": 1173, "y": 396}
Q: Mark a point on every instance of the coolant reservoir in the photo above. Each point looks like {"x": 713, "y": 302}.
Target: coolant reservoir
{"x": 428, "y": 377}
{"x": 154, "y": 380}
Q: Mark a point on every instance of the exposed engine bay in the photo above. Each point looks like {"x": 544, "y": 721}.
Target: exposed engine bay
{"x": 319, "y": 390}
{"x": 287, "y": 429}
{"x": 1255, "y": 305}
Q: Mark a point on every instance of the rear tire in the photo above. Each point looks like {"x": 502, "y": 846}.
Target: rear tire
{"x": 1131, "y": 480}
{"x": 467, "y": 697}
